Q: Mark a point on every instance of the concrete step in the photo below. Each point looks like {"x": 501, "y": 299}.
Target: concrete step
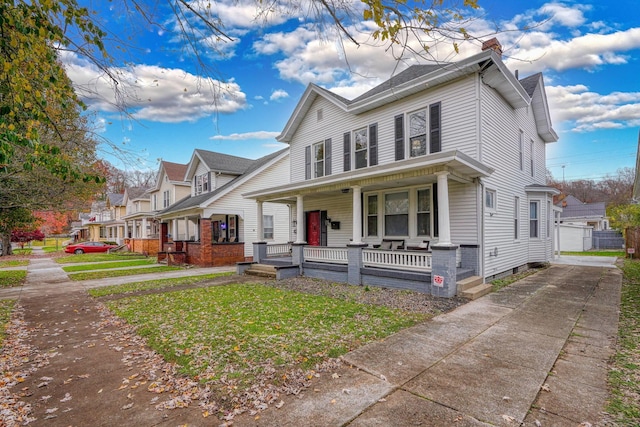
{"x": 468, "y": 283}
{"x": 261, "y": 270}
{"x": 477, "y": 291}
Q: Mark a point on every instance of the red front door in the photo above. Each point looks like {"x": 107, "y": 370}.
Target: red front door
{"x": 313, "y": 228}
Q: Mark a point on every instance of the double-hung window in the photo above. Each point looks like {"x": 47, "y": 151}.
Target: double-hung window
{"x": 361, "y": 148}
{"x": 318, "y": 159}
{"x": 205, "y": 182}
{"x": 267, "y": 227}
{"x": 534, "y": 220}
{"x": 490, "y": 200}
{"x": 424, "y": 212}
{"x": 372, "y": 215}
{"x": 516, "y": 218}
{"x": 396, "y": 214}
{"x": 418, "y": 133}
{"x": 165, "y": 199}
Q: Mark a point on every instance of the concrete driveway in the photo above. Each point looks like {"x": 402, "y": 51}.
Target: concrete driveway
{"x": 587, "y": 261}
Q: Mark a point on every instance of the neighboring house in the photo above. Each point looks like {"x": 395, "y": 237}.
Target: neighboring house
{"x": 215, "y": 225}
{"x": 139, "y": 221}
{"x": 114, "y": 227}
{"x": 450, "y": 154}
{"x": 95, "y": 221}
{"x": 576, "y": 212}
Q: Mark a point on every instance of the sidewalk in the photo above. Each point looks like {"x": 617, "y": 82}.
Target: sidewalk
{"x": 486, "y": 363}
{"x": 536, "y": 350}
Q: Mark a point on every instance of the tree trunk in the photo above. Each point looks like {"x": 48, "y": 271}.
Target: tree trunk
{"x": 6, "y": 245}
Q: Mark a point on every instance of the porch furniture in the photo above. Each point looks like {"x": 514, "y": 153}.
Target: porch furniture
{"x": 423, "y": 246}
{"x": 390, "y": 244}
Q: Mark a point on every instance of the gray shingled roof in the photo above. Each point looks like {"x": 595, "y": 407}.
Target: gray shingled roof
{"x": 224, "y": 162}
{"x": 577, "y": 209}
{"x": 193, "y": 201}
{"x": 115, "y": 199}
{"x": 411, "y": 73}
{"x": 137, "y": 193}
{"x": 530, "y": 83}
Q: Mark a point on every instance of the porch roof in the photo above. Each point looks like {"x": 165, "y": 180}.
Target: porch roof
{"x": 417, "y": 170}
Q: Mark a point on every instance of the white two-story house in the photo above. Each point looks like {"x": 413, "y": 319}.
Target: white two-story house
{"x": 435, "y": 173}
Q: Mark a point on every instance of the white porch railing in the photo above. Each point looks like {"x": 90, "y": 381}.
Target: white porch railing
{"x": 279, "y": 249}
{"x": 325, "y": 254}
{"x": 399, "y": 260}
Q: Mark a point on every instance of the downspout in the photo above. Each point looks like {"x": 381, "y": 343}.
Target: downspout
{"x": 481, "y": 226}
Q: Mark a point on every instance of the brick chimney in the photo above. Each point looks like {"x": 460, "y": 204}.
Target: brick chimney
{"x": 493, "y": 44}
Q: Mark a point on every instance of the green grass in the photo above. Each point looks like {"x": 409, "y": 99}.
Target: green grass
{"x": 108, "y": 265}
{"x": 25, "y": 251}
{"x": 231, "y": 335}
{"x": 624, "y": 376}
{"x": 102, "y": 274}
{"x": 498, "y": 284}
{"x": 152, "y": 284}
{"x": 595, "y": 253}
{"x": 51, "y": 249}
{"x": 6, "y": 307}
{"x": 12, "y": 278}
{"x": 14, "y": 263}
{"x": 71, "y": 259}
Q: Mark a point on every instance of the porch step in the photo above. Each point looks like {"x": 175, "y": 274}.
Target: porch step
{"x": 468, "y": 283}
{"x": 477, "y": 291}
{"x": 262, "y": 270}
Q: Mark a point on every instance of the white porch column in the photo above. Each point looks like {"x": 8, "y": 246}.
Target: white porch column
{"x": 186, "y": 228}
{"x": 357, "y": 216}
{"x": 259, "y": 222}
{"x": 444, "y": 224}
{"x": 145, "y": 234}
{"x": 126, "y": 229}
{"x": 300, "y": 219}
{"x": 174, "y": 227}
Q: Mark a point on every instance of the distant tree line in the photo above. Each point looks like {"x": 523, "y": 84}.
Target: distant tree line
{"x": 614, "y": 190}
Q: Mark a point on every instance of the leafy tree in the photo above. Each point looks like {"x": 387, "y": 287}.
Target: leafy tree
{"x": 622, "y": 217}
{"x": 22, "y": 236}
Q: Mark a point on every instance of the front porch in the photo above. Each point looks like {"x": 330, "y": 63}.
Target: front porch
{"x": 435, "y": 273}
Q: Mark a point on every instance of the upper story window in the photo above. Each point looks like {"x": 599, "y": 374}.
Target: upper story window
{"x": 165, "y": 199}
{"x": 364, "y": 151}
{"x": 422, "y": 130}
{"x": 533, "y": 153}
{"x": 155, "y": 202}
{"x": 361, "y": 148}
{"x": 521, "y": 150}
{"x": 202, "y": 183}
{"x": 318, "y": 159}
{"x": 418, "y": 133}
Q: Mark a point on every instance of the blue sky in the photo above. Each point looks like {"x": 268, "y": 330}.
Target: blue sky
{"x": 589, "y": 53}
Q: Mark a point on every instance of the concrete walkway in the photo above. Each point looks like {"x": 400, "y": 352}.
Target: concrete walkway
{"x": 536, "y": 350}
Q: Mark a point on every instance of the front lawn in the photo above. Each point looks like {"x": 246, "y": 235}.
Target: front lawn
{"x": 6, "y": 306}
{"x": 103, "y": 274}
{"x": 153, "y": 284}
{"x": 615, "y": 253}
{"x": 71, "y": 259}
{"x": 14, "y": 263}
{"x": 239, "y": 336}
{"x": 12, "y": 278}
{"x": 109, "y": 265}
{"x": 624, "y": 376}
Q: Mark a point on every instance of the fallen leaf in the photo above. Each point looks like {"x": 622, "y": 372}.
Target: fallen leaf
{"x": 545, "y": 387}
{"x": 346, "y": 391}
{"x": 508, "y": 418}
{"x": 279, "y": 404}
{"x": 333, "y": 401}
{"x": 66, "y": 398}
{"x": 335, "y": 376}
{"x": 129, "y": 406}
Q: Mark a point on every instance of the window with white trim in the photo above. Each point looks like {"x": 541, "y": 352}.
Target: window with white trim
{"x": 516, "y": 218}
{"x": 424, "y": 213}
{"x": 534, "y": 219}
{"x": 318, "y": 159}
{"x": 418, "y": 133}
{"x": 267, "y": 227}
{"x": 155, "y": 202}
{"x": 396, "y": 214}
{"x": 490, "y": 199}
{"x": 372, "y": 215}
{"x": 548, "y": 219}
{"x": 361, "y": 148}
{"x": 521, "y": 154}
{"x": 532, "y": 157}
{"x": 166, "y": 201}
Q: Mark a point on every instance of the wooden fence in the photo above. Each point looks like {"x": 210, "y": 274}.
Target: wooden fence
{"x": 632, "y": 241}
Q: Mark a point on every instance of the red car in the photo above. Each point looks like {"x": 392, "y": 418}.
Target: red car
{"x": 88, "y": 247}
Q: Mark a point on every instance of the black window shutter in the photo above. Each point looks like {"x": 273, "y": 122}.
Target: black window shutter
{"x": 327, "y": 156}
{"x": 373, "y": 144}
{"x": 347, "y": 151}
{"x": 307, "y": 162}
{"x": 399, "y": 136}
{"x": 435, "y": 145}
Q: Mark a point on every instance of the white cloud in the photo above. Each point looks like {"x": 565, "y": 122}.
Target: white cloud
{"x": 278, "y": 94}
{"x": 154, "y": 93}
{"x": 585, "y": 111}
{"x": 263, "y": 134}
